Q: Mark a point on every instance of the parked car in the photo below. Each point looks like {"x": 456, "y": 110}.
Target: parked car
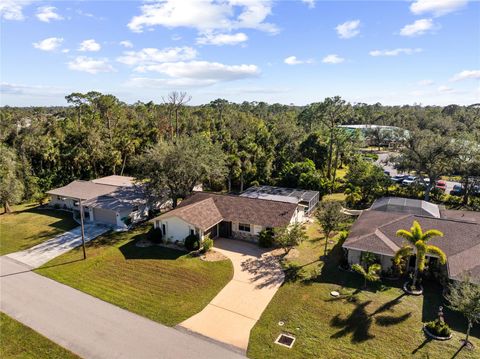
{"x": 457, "y": 190}
{"x": 441, "y": 185}
{"x": 398, "y": 178}
{"x": 410, "y": 180}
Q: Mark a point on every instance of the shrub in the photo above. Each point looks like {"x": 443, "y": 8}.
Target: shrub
{"x": 192, "y": 243}
{"x": 438, "y": 328}
{"x": 265, "y": 239}
{"x": 207, "y": 244}
{"x": 155, "y": 235}
{"x": 56, "y": 206}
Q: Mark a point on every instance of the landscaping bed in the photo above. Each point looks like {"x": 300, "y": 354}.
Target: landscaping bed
{"x": 19, "y": 341}
{"x": 29, "y": 225}
{"x": 162, "y": 284}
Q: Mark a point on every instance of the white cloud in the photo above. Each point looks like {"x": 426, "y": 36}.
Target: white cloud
{"x": 309, "y": 3}
{"x": 292, "y": 60}
{"x": 47, "y": 13}
{"x": 333, "y": 59}
{"x": 395, "y": 52}
{"x": 90, "y": 65}
{"x": 30, "y": 90}
{"x": 221, "y": 39}
{"x": 425, "y": 82}
{"x": 348, "y": 29}
{"x": 89, "y": 45}
{"x": 445, "y": 89}
{"x": 126, "y": 43}
{"x": 201, "y": 73}
{"x": 436, "y": 7}
{"x": 419, "y": 27}
{"x": 49, "y": 44}
{"x": 151, "y": 56}
{"x": 12, "y": 9}
{"x": 466, "y": 74}
{"x": 205, "y": 15}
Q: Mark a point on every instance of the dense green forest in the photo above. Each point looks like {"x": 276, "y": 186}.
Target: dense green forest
{"x": 227, "y": 146}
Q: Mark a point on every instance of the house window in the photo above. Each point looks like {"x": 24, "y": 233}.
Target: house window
{"x": 244, "y": 227}
{"x": 76, "y": 203}
{"x": 164, "y": 229}
{"x": 192, "y": 232}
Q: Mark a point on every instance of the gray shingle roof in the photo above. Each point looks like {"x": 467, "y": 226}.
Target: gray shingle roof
{"x": 83, "y": 190}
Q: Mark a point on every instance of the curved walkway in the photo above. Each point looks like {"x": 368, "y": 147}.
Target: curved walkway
{"x": 231, "y": 315}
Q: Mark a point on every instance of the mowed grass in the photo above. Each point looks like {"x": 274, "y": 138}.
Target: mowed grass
{"x": 28, "y": 226}
{"x": 162, "y": 284}
{"x": 18, "y": 341}
{"x": 380, "y": 322}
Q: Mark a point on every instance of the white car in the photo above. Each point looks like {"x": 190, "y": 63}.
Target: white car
{"x": 410, "y": 180}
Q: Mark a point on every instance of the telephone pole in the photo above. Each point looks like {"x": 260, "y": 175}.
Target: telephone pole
{"x": 83, "y": 229}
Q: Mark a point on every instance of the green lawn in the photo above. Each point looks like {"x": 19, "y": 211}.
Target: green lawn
{"x": 18, "y": 341}
{"x": 28, "y": 226}
{"x": 162, "y": 284}
{"x": 374, "y": 323}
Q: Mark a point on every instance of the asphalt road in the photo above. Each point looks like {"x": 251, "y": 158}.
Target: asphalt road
{"x": 382, "y": 159}
{"x": 90, "y": 327}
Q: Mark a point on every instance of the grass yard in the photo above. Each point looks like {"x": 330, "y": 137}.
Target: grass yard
{"x": 28, "y": 226}
{"x": 374, "y": 323}
{"x": 18, "y": 341}
{"x": 162, "y": 284}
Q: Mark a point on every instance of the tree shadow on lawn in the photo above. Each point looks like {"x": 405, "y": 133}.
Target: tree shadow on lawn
{"x": 359, "y": 321}
{"x": 131, "y": 251}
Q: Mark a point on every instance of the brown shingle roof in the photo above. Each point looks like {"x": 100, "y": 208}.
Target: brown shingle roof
{"x": 461, "y": 240}
{"x": 206, "y": 209}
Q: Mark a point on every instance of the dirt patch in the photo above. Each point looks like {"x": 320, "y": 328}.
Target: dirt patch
{"x": 213, "y": 256}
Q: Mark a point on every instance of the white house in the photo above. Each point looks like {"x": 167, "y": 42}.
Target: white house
{"x": 226, "y": 216}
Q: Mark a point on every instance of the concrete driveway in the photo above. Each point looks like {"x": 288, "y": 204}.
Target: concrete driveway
{"x": 231, "y": 315}
{"x": 42, "y": 253}
{"x": 90, "y": 327}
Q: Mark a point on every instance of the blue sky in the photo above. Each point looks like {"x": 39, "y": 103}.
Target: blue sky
{"x": 393, "y": 52}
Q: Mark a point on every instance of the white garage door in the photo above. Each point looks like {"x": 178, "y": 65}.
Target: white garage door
{"x": 107, "y": 216}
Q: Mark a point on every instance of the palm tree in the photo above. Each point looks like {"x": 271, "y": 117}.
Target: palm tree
{"x": 371, "y": 274}
{"x": 418, "y": 245}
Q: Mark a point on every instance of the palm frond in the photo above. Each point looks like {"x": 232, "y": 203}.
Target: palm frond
{"x": 405, "y": 234}
{"x": 403, "y": 252}
{"x": 373, "y": 271}
{"x": 438, "y": 252}
{"x": 431, "y": 233}
{"x": 416, "y": 230}
{"x": 359, "y": 269}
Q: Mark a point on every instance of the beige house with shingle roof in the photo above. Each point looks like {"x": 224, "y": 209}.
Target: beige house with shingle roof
{"x": 112, "y": 200}
{"x": 226, "y": 216}
{"x": 375, "y": 232}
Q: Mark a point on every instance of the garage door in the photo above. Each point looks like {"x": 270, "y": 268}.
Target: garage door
{"x": 107, "y": 216}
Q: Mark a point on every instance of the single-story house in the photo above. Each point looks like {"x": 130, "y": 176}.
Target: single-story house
{"x": 308, "y": 200}
{"x": 227, "y": 216}
{"x": 375, "y": 231}
{"x": 112, "y": 200}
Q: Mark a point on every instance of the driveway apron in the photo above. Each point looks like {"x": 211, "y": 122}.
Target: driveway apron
{"x": 231, "y": 315}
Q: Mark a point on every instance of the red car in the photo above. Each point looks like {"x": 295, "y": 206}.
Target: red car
{"x": 441, "y": 185}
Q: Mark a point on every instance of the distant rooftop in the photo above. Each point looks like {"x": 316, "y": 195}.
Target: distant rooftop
{"x": 280, "y": 194}
{"x": 406, "y": 205}
{"x": 115, "y": 180}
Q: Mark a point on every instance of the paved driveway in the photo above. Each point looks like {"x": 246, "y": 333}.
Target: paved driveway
{"x": 90, "y": 327}
{"x": 231, "y": 315}
{"x": 42, "y": 253}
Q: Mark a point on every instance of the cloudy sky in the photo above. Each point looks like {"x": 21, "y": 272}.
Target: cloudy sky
{"x": 393, "y": 52}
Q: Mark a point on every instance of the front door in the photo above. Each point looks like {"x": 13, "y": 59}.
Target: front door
{"x": 225, "y": 229}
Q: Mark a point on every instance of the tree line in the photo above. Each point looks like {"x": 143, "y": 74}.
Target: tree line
{"x": 223, "y": 145}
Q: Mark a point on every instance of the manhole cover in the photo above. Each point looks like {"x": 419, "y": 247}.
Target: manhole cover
{"x": 334, "y": 293}
{"x": 285, "y": 340}
{"x": 281, "y": 323}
